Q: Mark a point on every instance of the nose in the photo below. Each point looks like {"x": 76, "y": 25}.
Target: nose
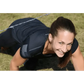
{"x": 64, "y": 48}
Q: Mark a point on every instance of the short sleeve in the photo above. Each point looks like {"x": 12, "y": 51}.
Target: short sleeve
{"x": 24, "y": 51}
{"x": 33, "y": 45}
{"x": 74, "y": 46}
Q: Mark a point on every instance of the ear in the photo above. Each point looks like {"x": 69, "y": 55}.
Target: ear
{"x": 50, "y": 38}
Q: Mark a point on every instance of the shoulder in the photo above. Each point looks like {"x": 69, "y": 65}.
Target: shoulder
{"x": 37, "y": 39}
{"x": 74, "y": 45}
{"x": 33, "y": 44}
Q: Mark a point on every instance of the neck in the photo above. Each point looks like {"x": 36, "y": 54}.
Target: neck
{"x": 47, "y": 48}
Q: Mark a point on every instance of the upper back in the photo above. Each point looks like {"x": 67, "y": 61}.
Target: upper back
{"x": 21, "y": 32}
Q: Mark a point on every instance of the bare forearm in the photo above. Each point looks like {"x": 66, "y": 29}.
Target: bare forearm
{"x": 13, "y": 67}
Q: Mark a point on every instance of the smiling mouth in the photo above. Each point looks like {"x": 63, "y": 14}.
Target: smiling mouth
{"x": 61, "y": 52}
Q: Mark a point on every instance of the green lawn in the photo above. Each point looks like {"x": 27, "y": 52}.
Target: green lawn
{"x": 49, "y": 63}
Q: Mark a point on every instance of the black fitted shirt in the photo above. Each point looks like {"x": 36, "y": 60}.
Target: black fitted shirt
{"x": 32, "y": 37}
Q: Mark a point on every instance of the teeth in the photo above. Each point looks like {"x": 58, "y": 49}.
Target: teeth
{"x": 61, "y": 52}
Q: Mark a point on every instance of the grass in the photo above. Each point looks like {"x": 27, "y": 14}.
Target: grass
{"x": 44, "y": 64}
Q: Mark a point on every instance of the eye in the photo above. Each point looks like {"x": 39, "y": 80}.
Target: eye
{"x": 60, "y": 42}
{"x": 70, "y": 44}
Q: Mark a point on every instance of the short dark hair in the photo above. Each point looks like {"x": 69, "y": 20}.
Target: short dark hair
{"x": 65, "y": 24}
